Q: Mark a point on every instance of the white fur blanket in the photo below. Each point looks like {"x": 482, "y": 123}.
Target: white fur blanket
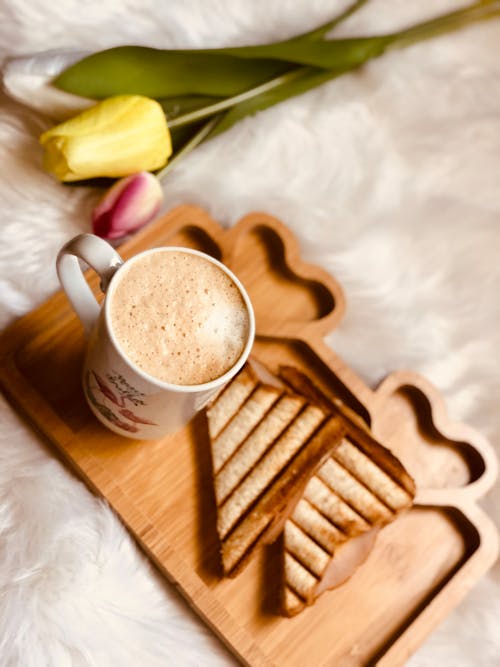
{"x": 389, "y": 177}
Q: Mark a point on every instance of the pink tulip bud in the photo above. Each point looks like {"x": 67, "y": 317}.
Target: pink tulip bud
{"x": 128, "y": 205}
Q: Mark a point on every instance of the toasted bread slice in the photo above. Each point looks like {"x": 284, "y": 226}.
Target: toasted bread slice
{"x": 302, "y": 588}
{"x": 256, "y": 444}
{"x": 230, "y": 400}
{"x": 239, "y": 427}
{"x": 263, "y": 522}
{"x": 357, "y": 429}
{"x": 358, "y": 489}
{"x": 265, "y": 446}
{"x": 277, "y": 456}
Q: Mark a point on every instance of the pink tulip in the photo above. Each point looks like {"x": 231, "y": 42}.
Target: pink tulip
{"x": 128, "y": 205}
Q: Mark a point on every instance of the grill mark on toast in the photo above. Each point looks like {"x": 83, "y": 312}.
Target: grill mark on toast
{"x": 290, "y": 483}
{"x": 361, "y": 485}
{"x": 230, "y": 400}
{"x": 389, "y": 492}
{"x": 353, "y": 492}
{"x": 298, "y": 578}
{"x": 234, "y": 552}
{"x": 277, "y": 458}
{"x": 382, "y": 457}
{"x": 320, "y": 496}
{"x": 357, "y": 430}
{"x": 306, "y": 550}
{"x": 251, "y": 450}
{"x": 318, "y": 509}
{"x": 340, "y": 513}
{"x": 291, "y": 603}
{"x": 302, "y": 384}
{"x": 314, "y": 524}
{"x": 246, "y": 419}
{"x": 233, "y": 413}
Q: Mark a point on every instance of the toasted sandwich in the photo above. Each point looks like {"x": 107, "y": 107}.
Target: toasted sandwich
{"x": 266, "y": 443}
{"x": 357, "y": 490}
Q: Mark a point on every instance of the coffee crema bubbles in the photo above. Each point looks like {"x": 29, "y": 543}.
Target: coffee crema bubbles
{"x": 178, "y": 317}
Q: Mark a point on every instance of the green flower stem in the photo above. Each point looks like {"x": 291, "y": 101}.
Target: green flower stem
{"x": 297, "y": 72}
{"x": 336, "y": 53}
{"x": 209, "y": 110}
{"x": 316, "y": 76}
{"x": 163, "y": 73}
{"x": 479, "y": 11}
{"x": 322, "y": 30}
{"x": 345, "y": 55}
{"x": 218, "y": 107}
{"x": 313, "y": 78}
{"x": 301, "y": 79}
{"x": 229, "y": 72}
{"x": 187, "y": 148}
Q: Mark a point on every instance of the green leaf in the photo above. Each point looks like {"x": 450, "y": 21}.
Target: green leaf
{"x": 283, "y": 86}
{"x": 143, "y": 71}
{"x": 352, "y": 52}
{"x": 358, "y": 52}
{"x": 168, "y": 73}
{"x": 349, "y": 52}
{"x": 310, "y": 78}
{"x": 232, "y": 71}
{"x": 220, "y": 73}
{"x": 225, "y": 103}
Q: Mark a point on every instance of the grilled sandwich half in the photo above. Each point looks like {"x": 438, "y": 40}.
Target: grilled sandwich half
{"x": 357, "y": 490}
{"x": 266, "y": 442}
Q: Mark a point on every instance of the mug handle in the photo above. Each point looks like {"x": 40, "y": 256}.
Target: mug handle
{"x": 98, "y": 254}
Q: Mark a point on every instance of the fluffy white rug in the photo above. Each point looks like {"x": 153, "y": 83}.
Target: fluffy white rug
{"x": 389, "y": 177}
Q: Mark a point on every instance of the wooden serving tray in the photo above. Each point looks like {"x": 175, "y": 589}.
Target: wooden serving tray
{"x": 422, "y": 564}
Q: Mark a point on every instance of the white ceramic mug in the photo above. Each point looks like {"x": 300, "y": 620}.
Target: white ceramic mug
{"x": 123, "y": 397}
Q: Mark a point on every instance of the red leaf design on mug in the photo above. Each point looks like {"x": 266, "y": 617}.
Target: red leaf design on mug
{"x": 134, "y": 418}
{"x": 126, "y": 427}
{"x": 106, "y": 391}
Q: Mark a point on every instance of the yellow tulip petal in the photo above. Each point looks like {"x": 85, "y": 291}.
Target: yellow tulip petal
{"x": 54, "y": 158}
{"x": 117, "y": 137}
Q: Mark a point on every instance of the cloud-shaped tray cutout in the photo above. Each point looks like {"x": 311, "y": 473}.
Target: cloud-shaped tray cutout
{"x": 411, "y": 416}
{"x": 291, "y": 298}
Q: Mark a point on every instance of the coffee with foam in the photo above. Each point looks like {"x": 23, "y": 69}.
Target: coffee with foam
{"x": 179, "y": 317}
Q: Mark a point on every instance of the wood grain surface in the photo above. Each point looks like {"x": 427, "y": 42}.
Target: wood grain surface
{"x": 422, "y": 564}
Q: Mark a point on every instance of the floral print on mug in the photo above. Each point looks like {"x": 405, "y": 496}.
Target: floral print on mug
{"x": 120, "y": 394}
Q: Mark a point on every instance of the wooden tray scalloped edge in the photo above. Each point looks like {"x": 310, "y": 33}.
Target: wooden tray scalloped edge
{"x": 464, "y": 498}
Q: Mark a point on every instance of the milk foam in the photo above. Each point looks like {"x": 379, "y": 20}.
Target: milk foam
{"x": 179, "y": 317}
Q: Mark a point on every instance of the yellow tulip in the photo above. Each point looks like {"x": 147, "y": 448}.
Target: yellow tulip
{"x": 117, "y": 137}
